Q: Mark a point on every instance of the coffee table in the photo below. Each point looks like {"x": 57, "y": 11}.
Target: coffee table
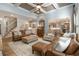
{"x": 40, "y": 47}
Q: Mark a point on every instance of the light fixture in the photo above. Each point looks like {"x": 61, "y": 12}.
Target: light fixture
{"x": 38, "y": 6}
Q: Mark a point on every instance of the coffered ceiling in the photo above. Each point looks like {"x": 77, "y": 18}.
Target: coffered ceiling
{"x": 39, "y": 8}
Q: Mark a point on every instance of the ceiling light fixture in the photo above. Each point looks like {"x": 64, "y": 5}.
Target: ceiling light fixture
{"x": 38, "y": 6}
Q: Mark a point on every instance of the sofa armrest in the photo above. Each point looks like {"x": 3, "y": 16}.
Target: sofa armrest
{"x": 52, "y": 52}
{"x": 57, "y": 53}
{"x": 77, "y": 52}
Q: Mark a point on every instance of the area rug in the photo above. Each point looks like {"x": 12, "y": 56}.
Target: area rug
{"x": 23, "y": 49}
{"x": 0, "y": 53}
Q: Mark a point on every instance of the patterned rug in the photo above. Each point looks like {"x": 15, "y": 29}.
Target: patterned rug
{"x": 22, "y": 49}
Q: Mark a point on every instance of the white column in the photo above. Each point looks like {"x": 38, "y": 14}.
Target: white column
{"x": 77, "y": 19}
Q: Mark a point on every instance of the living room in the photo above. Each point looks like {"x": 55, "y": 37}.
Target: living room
{"x": 39, "y": 29}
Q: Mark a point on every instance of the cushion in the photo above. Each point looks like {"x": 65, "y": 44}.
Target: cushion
{"x": 34, "y": 31}
{"x": 73, "y": 35}
{"x": 48, "y": 37}
{"x": 50, "y": 34}
{"x": 69, "y": 34}
{"x": 31, "y": 31}
{"x": 17, "y": 33}
{"x": 62, "y": 44}
{"x": 66, "y": 35}
{"x": 28, "y": 32}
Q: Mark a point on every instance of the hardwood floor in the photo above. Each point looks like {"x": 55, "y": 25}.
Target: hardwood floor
{"x": 7, "y": 51}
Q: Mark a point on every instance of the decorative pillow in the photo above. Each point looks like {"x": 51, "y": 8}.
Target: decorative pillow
{"x": 28, "y": 32}
{"x": 66, "y": 35}
{"x": 72, "y": 35}
{"x": 47, "y": 36}
{"x": 69, "y": 34}
{"x": 62, "y": 44}
{"x": 50, "y": 34}
{"x": 17, "y": 33}
{"x": 34, "y": 31}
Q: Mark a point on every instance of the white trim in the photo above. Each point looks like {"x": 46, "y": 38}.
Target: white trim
{"x": 56, "y": 5}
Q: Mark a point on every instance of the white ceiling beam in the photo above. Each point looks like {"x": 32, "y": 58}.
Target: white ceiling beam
{"x": 56, "y": 5}
{"x": 46, "y": 4}
{"x": 33, "y": 10}
{"x": 17, "y": 4}
{"x": 42, "y": 10}
{"x": 31, "y": 4}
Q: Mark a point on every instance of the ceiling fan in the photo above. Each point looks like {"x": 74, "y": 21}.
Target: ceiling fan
{"x": 39, "y": 7}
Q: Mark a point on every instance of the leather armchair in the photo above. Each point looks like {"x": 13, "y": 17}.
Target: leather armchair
{"x": 73, "y": 49}
{"x": 16, "y": 36}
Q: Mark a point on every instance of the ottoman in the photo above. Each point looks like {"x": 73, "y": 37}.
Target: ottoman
{"x": 40, "y": 47}
{"x": 30, "y": 38}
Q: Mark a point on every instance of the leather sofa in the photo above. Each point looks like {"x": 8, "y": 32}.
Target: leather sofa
{"x": 72, "y": 49}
